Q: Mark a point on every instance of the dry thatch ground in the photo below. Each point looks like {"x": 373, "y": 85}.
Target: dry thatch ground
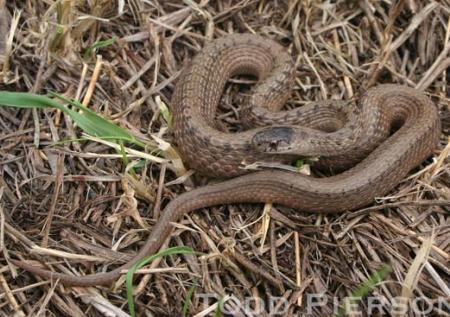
{"x": 80, "y": 198}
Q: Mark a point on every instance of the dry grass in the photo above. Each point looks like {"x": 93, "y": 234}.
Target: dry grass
{"x": 80, "y": 199}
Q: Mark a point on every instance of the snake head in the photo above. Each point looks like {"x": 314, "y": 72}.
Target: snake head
{"x": 273, "y": 140}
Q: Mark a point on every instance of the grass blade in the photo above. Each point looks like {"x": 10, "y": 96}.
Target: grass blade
{"x": 97, "y": 45}
{"x": 143, "y": 262}
{"x": 85, "y": 118}
{"x": 188, "y": 300}
{"x": 366, "y": 287}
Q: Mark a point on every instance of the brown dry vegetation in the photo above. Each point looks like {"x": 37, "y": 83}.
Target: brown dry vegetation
{"x": 78, "y": 197}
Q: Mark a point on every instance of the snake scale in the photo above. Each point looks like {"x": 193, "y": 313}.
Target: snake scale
{"x": 340, "y": 133}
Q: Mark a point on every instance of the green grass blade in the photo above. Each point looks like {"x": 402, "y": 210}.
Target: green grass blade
{"x": 89, "y": 121}
{"x": 367, "y": 286}
{"x": 373, "y": 280}
{"x": 165, "y": 112}
{"x": 299, "y": 164}
{"x": 96, "y": 125}
{"x": 97, "y": 45}
{"x": 218, "y": 312}
{"x": 28, "y": 100}
{"x": 145, "y": 261}
{"x": 188, "y": 300}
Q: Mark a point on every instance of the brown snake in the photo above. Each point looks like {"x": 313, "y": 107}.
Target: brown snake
{"x": 340, "y": 134}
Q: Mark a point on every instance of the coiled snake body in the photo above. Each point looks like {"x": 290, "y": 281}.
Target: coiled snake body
{"x": 337, "y": 132}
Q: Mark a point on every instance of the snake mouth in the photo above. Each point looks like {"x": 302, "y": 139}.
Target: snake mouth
{"x": 273, "y": 140}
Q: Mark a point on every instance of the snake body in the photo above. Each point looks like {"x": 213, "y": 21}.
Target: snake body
{"x": 339, "y": 133}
